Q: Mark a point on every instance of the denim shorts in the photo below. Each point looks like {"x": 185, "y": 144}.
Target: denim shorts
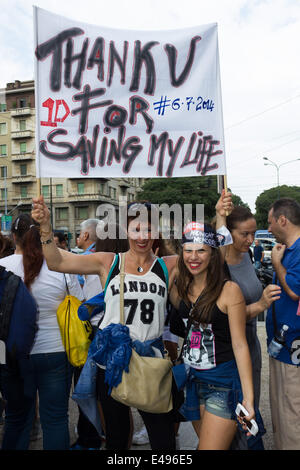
{"x": 218, "y": 400}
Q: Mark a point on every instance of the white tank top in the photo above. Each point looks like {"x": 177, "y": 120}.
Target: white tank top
{"x": 145, "y": 298}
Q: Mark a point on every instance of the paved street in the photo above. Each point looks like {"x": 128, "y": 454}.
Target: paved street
{"x": 187, "y": 436}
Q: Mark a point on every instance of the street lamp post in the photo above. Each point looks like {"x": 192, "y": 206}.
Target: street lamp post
{"x": 277, "y": 169}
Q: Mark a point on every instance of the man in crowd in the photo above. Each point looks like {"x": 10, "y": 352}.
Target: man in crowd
{"x": 284, "y": 223}
{"x": 60, "y": 240}
{"x": 258, "y": 254}
{"x": 86, "y": 240}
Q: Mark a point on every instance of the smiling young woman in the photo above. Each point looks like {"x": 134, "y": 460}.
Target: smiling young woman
{"x": 215, "y": 351}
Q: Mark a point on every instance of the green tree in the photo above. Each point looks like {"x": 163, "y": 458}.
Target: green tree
{"x": 193, "y": 190}
{"x": 266, "y": 199}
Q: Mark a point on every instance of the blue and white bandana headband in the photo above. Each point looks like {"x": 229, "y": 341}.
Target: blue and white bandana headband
{"x": 200, "y": 234}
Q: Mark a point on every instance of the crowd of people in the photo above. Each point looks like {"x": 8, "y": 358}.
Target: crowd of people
{"x": 198, "y": 299}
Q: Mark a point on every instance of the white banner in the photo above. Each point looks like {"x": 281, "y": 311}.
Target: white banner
{"x": 121, "y": 103}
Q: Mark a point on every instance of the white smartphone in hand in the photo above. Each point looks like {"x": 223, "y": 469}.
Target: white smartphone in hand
{"x": 243, "y": 413}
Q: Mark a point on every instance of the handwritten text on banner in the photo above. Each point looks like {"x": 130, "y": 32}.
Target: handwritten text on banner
{"x": 122, "y": 103}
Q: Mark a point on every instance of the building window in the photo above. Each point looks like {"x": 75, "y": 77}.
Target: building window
{"x": 82, "y": 212}
{"x": 3, "y": 150}
{"x": 59, "y": 190}
{"x": 3, "y": 128}
{"x": 113, "y": 193}
{"x": 23, "y": 147}
{"x": 61, "y": 213}
{"x": 23, "y": 103}
{"x": 22, "y": 124}
{"x": 46, "y": 190}
{"x": 3, "y": 194}
{"x": 23, "y": 169}
{"x": 24, "y": 191}
{"x": 2, "y": 107}
{"x": 4, "y": 172}
{"x": 102, "y": 188}
{"x": 80, "y": 188}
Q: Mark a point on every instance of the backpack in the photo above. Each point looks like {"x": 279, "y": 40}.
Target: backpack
{"x": 18, "y": 315}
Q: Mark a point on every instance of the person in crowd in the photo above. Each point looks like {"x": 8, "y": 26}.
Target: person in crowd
{"x": 284, "y": 223}
{"x": 116, "y": 244}
{"x": 140, "y": 264}
{"x": 6, "y": 246}
{"x": 216, "y": 352}
{"x": 60, "y": 240}
{"x": 87, "y": 237}
{"x": 48, "y": 373}
{"x": 242, "y": 226}
{"x": 161, "y": 247}
{"x": 88, "y": 437}
{"x": 258, "y": 254}
{"x": 86, "y": 241}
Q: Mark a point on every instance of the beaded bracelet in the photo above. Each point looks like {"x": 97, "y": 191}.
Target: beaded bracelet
{"x": 46, "y": 242}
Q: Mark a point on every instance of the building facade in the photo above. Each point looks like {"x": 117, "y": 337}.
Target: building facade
{"x": 70, "y": 200}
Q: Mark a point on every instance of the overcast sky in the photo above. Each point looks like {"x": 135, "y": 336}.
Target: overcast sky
{"x": 259, "y": 44}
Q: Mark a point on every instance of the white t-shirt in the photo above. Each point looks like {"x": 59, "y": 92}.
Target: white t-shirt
{"x": 49, "y": 290}
{"x": 145, "y": 298}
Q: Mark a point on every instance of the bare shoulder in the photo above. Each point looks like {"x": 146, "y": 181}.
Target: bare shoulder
{"x": 231, "y": 288}
{"x": 230, "y": 295}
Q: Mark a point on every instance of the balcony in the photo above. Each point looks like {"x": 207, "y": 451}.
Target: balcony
{"x": 76, "y": 197}
{"x": 25, "y": 199}
{"x": 21, "y": 134}
{"x": 23, "y": 178}
{"x": 19, "y": 112}
{"x": 22, "y": 156}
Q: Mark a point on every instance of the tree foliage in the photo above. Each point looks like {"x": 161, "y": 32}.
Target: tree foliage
{"x": 193, "y": 190}
{"x": 268, "y": 197}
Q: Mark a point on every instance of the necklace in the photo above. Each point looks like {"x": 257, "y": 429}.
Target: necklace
{"x": 140, "y": 269}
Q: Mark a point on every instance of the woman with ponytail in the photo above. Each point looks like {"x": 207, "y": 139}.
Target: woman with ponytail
{"x": 48, "y": 372}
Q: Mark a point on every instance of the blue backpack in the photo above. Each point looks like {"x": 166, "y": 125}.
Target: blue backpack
{"x": 18, "y": 316}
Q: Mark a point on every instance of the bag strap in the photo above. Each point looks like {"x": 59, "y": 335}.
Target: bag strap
{"x": 67, "y": 287}
{"x": 115, "y": 261}
{"x": 188, "y": 326}
{"x": 7, "y": 301}
{"x": 274, "y": 312}
{"x": 276, "y": 332}
{"x": 122, "y": 277}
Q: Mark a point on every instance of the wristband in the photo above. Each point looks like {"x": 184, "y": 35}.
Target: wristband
{"x": 46, "y": 242}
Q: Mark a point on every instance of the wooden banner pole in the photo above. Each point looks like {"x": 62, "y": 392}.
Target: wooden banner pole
{"x": 225, "y": 188}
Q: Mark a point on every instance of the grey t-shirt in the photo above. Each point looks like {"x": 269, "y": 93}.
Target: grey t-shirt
{"x": 244, "y": 275}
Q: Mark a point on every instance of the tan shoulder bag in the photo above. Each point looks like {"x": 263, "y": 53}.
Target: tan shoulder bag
{"x": 148, "y": 384}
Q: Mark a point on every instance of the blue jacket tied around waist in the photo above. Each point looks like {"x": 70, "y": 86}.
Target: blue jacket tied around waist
{"x": 225, "y": 375}
{"x": 112, "y": 348}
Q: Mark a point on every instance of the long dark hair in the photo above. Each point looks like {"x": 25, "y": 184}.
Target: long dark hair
{"x": 239, "y": 214}
{"x": 6, "y": 246}
{"x": 28, "y": 239}
{"x": 113, "y": 245}
{"x": 202, "y": 310}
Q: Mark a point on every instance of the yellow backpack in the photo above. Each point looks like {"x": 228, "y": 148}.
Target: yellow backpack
{"x": 75, "y": 333}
